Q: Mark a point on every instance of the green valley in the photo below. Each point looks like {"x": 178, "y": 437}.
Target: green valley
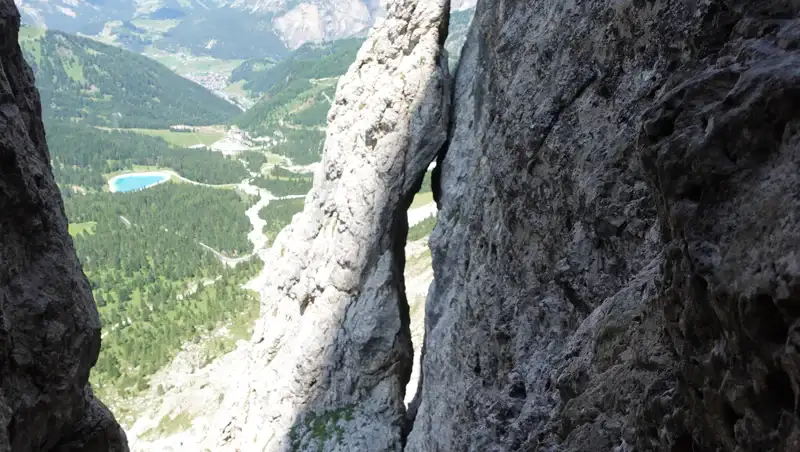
{"x": 82, "y": 80}
{"x": 168, "y": 265}
{"x": 85, "y": 156}
{"x": 296, "y": 94}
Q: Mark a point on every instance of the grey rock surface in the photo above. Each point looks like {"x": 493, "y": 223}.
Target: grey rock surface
{"x": 617, "y": 255}
{"x": 49, "y": 326}
{"x": 322, "y": 20}
{"x": 332, "y": 352}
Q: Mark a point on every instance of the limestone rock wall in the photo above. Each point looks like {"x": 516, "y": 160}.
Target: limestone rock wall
{"x": 617, "y": 255}
{"x": 49, "y": 326}
{"x": 332, "y": 351}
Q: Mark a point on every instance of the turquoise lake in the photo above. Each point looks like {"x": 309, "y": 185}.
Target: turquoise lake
{"x": 133, "y": 182}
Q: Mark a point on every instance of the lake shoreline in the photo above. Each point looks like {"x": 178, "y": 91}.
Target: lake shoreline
{"x": 112, "y": 183}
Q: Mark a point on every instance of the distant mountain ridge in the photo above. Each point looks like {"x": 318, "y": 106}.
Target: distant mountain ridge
{"x": 219, "y": 28}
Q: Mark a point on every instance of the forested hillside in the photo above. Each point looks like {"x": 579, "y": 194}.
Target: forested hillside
{"x": 143, "y": 255}
{"x": 310, "y": 61}
{"x": 296, "y": 94}
{"x": 83, "y": 80}
{"x": 156, "y": 286}
{"x": 82, "y": 155}
{"x": 225, "y": 33}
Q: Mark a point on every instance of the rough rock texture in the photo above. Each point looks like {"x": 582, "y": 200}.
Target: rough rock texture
{"x": 617, "y": 255}
{"x": 49, "y": 326}
{"x": 323, "y": 21}
{"x": 332, "y": 352}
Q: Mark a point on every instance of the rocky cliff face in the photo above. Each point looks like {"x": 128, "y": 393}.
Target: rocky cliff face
{"x": 332, "y": 352}
{"x": 49, "y": 327}
{"x": 617, "y": 255}
{"x": 616, "y": 259}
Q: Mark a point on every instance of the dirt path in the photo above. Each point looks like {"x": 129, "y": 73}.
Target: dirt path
{"x": 189, "y": 181}
{"x": 228, "y": 261}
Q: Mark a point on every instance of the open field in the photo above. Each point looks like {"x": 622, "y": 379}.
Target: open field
{"x": 184, "y": 64}
{"x": 80, "y": 228}
{"x": 206, "y": 135}
{"x": 422, "y": 199}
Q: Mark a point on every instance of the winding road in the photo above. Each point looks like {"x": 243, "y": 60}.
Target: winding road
{"x": 228, "y": 261}
{"x": 256, "y": 236}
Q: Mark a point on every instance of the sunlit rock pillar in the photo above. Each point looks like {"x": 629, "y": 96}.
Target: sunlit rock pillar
{"x": 332, "y": 352}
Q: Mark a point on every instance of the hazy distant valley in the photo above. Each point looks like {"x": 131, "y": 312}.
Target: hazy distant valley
{"x": 234, "y": 133}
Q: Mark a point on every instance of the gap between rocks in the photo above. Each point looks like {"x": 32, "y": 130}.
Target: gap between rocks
{"x": 400, "y": 230}
{"x": 399, "y": 235}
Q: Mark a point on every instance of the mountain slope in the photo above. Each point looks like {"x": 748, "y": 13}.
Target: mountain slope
{"x": 297, "y": 94}
{"x": 81, "y": 79}
{"x": 310, "y": 61}
{"x": 241, "y": 29}
{"x": 71, "y": 15}
{"x": 225, "y": 33}
{"x": 77, "y": 15}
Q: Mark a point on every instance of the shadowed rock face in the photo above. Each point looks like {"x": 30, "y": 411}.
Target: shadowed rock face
{"x": 49, "y": 326}
{"x": 617, "y": 255}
